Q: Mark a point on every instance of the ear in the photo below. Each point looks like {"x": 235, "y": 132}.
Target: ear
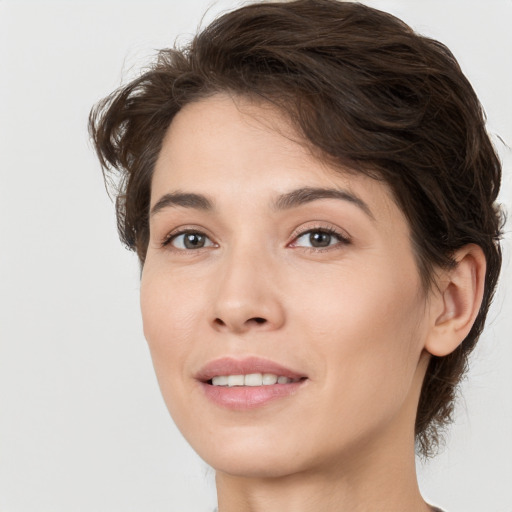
{"x": 456, "y": 305}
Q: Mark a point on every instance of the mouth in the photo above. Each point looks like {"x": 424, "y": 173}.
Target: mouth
{"x": 249, "y": 371}
{"x": 248, "y": 383}
{"x": 251, "y": 380}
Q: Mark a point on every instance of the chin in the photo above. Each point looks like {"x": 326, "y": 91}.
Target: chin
{"x": 258, "y": 456}
{"x": 255, "y": 466}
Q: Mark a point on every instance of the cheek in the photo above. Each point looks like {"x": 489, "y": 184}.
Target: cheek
{"x": 367, "y": 328}
{"x": 170, "y": 313}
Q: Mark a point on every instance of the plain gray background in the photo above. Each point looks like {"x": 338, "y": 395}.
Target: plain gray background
{"x": 82, "y": 424}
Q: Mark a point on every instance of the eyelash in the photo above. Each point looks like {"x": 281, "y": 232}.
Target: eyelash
{"x": 187, "y": 231}
{"x": 342, "y": 238}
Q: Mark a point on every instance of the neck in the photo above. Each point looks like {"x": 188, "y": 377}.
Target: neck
{"x": 377, "y": 475}
{"x": 355, "y": 487}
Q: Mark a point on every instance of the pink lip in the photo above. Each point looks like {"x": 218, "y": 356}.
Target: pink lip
{"x": 247, "y": 397}
{"x": 232, "y": 366}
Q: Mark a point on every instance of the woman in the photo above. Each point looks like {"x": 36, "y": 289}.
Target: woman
{"x": 311, "y": 193}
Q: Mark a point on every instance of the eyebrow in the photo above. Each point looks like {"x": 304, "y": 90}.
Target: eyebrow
{"x": 306, "y": 195}
{"x": 185, "y": 200}
{"x": 287, "y": 201}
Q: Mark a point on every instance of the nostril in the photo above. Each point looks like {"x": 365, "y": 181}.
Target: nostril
{"x": 256, "y": 320}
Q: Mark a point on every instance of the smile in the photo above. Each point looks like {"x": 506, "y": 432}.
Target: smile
{"x": 248, "y": 383}
{"x": 251, "y": 379}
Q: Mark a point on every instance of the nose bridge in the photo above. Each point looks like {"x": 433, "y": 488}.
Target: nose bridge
{"x": 247, "y": 295}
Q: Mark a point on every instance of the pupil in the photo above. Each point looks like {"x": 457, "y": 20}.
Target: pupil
{"x": 319, "y": 239}
{"x": 193, "y": 241}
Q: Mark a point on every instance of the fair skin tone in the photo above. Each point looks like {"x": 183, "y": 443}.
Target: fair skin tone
{"x": 272, "y": 254}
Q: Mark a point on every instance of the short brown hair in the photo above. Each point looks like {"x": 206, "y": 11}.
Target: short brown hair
{"x": 367, "y": 93}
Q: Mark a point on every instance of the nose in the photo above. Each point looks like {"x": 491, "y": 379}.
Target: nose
{"x": 247, "y": 294}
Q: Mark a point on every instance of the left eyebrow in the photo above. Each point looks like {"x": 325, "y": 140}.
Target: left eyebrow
{"x": 183, "y": 199}
{"x": 306, "y": 195}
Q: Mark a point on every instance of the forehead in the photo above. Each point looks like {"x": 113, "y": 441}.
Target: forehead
{"x": 235, "y": 147}
{"x": 224, "y": 133}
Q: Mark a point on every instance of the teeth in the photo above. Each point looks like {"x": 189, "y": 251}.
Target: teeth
{"x": 220, "y": 381}
{"x": 269, "y": 378}
{"x": 235, "y": 380}
{"x": 251, "y": 379}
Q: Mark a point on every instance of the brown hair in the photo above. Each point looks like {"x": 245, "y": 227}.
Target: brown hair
{"x": 364, "y": 90}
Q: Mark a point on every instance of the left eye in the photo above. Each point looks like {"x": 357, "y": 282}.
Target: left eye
{"x": 190, "y": 240}
{"x": 318, "y": 238}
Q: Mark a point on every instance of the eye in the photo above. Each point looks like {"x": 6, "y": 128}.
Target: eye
{"x": 319, "y": 239}
{"x": 188, "y": 240}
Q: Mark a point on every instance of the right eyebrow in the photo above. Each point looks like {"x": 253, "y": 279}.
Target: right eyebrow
{"x": 306, "y": 195}
{"x": 185, "y": 200}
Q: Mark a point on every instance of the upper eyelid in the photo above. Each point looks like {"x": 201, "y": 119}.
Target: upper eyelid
{"x": 171, "y": 235}
{"x": 326, "y": 227}
{"x": 341, "y": 240}
{"x": 296, "y": 233}
{"x": 328, "y": 231}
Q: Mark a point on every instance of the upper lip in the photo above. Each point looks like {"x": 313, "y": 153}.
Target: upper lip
{"x": 245, "y": 366}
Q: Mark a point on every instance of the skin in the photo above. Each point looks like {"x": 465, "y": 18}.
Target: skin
{"x": 351, "y": 316}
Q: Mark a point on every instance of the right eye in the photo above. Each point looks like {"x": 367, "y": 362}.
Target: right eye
{"x": 188, "y": 240}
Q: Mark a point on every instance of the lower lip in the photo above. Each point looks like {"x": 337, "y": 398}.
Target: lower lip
{"x": 249, "y": 397}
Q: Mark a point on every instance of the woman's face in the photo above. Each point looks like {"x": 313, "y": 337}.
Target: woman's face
{"x": 265, "y": 262}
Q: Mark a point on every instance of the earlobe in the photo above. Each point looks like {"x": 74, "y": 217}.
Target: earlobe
{"x": 458, "y": 302}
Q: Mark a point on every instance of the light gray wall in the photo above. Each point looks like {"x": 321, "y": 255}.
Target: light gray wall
{"x": 82, "y": 424}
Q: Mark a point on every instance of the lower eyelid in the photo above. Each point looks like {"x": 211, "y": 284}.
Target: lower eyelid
{"x": 341, "y": 237}
{"x": 171, "y": 237}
